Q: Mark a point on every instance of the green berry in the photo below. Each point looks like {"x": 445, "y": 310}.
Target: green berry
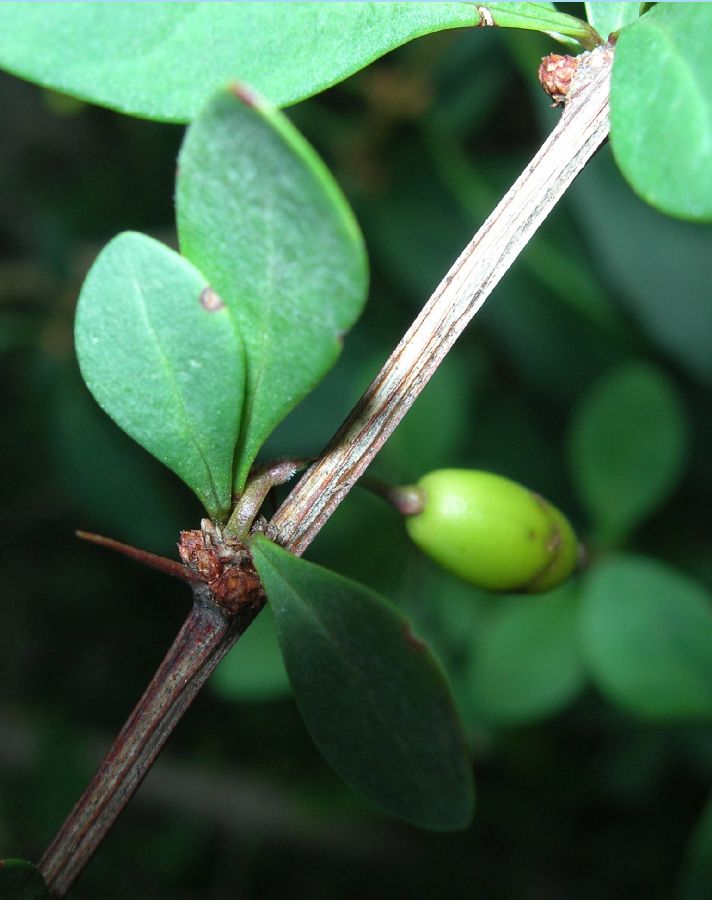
{"x": 493, "y": 532}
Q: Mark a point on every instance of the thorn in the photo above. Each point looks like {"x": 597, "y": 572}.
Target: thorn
{"x": 152, "y": 560}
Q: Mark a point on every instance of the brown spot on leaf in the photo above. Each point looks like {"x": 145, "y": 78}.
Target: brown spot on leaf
{"x": 244, "y": 94}
{"x": 210, "y": 300}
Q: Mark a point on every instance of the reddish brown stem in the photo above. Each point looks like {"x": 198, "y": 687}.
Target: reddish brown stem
{"x": 202, "y": 642}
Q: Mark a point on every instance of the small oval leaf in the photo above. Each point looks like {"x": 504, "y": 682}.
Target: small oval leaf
{"x": 668, "y": 293}
{"x": 163, "y": 358}
{"x": 262, "y": 218}
{"x": 20, "y": 880}
{"x": 627, "y": 447}
{"x": 661, "y": 108}
{"x": 164, "y": 60}
{"x": 528, "y": 663}
{"x": 374, "y": 698}
{"x": 647, "y": 638}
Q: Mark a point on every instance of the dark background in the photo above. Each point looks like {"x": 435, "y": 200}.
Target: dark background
{"x": 586, "y": 802}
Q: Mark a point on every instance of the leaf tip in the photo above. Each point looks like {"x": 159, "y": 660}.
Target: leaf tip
{"x": 412, "y": 640}
{"x": 244, "y": 94}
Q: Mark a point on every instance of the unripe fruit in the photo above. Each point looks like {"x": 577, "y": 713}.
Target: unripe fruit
{"x": 493, "y": 532}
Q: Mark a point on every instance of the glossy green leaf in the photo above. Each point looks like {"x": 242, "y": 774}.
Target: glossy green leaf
{"x": 374, "y": 698}
{"x": 647, "y": 638}
{"x": 262, "y": 218}
{"x": 254, "y": 669}
{"x": 164, "y": 359}
{"x": 20, "y": 880}
{"x": 627, "y": 447}
{"x": 527, "y": 663}
{"x": 540, "y": 17}
{"x": 609, "y": 17}
{"x": 661, "y": 108}
{"x": 164, "y": 60}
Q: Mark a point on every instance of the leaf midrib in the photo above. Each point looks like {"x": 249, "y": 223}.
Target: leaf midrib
{"x": 170, "y": 377}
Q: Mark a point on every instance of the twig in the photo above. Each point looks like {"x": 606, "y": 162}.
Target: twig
{"x": 581, "y": 130}
{"x": 209, "y": 633}
{"x": 168, "y": 566}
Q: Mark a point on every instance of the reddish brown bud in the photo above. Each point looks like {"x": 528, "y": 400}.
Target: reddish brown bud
{"x": 224, "y": 564}
{"x": 555, "y": 74}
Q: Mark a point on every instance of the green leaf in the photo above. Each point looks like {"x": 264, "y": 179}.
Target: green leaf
{"x": 261, "y": 217}
{"x": 527, "y": 662}
{"x": 254, "y": 669}
{"x": 667, "y": 292}
{"x": 647, "y": 638}
{"x": 539, "y": 17}
{"x": 661, "y": 108}
{"x": 164, "y": 362}
{"x": 374, "y": 698}
{"x": 164, "y": 60}
{"x": 20, "y": 880}
{"x": 627, "y": 447}
{"x": 609, "y": 17}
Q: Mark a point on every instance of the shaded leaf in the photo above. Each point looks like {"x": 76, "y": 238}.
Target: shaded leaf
{"x": 164, "y": 60}
{"x": 20, "y": 880}
{"x": 261, "y": 217}
{"x": 163, "y": 362}
{"x": 609, "y": 17}
{"x": 662, "y": 137}
{"x": 528, "y": 662}
{"x": 627, "y": 447}
{"x": 659, "y": 266}
{"x": 647, "y": 638}
{"x": 254, "y": 669}
{"x": 373, "y": 697}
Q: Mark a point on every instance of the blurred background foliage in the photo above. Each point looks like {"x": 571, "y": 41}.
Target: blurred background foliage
{"x": 586, "y": 376}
